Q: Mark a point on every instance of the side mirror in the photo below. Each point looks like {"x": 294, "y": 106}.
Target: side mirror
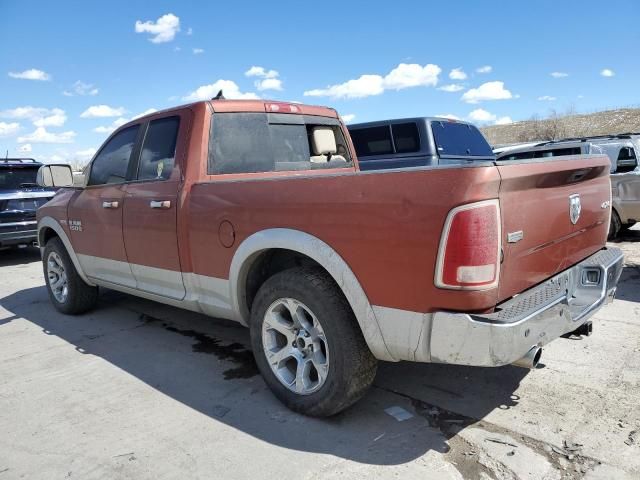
{"x": 55, "y": 176}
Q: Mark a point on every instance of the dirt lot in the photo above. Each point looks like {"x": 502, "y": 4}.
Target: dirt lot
{"x": 140, "y": 390}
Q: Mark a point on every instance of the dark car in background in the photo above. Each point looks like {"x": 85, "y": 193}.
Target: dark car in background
{"x": 418, "y": 142}
{"x": 20, "y": 197}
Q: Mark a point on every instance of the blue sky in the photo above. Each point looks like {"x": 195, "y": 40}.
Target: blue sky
{"x": 71, "y": 71}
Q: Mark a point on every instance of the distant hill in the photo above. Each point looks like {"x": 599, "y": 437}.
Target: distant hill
{"x": 557, "y": 126}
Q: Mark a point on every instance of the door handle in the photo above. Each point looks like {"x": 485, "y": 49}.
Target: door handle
{"x": 109, "y": 204}
{"x": 160, "y": 204}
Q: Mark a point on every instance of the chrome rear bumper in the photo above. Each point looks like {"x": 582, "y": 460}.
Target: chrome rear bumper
{"x": 534, "y": 318}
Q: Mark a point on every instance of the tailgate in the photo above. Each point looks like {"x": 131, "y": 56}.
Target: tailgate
{"x": 536, "y": 199}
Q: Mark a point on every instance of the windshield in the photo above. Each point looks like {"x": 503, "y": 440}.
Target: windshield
{"x": 459, "y": 140}
{"x": 13, "y": 178}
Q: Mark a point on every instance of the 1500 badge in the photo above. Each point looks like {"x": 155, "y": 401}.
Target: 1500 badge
{"x": 75, "y": 225}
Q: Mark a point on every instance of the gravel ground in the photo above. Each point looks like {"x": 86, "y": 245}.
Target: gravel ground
{"x": 136, "y": 389}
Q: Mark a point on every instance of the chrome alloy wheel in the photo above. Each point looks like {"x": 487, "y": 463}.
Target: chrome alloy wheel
{"x": 295, "y": 346}
{"x": 57, "y": 277}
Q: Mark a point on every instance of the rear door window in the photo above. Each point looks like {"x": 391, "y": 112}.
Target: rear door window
{"x": 405, "y": 137}
{"x": 157, "y": 157}
{"x": 111, "y": 164}
{"x": 372, "y": 140}
{"x": 459, "y": 140}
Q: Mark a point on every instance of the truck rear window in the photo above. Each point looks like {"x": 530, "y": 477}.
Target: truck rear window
{"x": 459, "y": 140}
{"x": 260, "y": 142}
{"x": 378, "y": 140}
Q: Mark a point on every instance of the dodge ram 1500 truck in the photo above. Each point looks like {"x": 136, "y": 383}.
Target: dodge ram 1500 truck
{"x": 256, "y": 211}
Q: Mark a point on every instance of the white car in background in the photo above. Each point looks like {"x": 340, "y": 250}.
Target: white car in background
{"x": 621, "y": 149}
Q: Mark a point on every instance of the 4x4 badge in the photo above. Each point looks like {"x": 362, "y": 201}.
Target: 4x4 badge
{"x": 575, "y": 207}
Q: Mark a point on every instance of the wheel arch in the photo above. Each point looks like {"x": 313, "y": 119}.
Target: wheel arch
{"x": 49, "y": 227}
{"x": 304, "y": 245}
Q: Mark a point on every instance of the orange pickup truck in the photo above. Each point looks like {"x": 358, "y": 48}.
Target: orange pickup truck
{"x": 256, "y": 211}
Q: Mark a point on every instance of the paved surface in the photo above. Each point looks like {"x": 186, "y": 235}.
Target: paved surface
{"x": 140, "y": 390}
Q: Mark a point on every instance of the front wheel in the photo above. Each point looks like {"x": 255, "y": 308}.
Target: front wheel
{"x": 67, "y": 291}
{"x": 307, "y": 343}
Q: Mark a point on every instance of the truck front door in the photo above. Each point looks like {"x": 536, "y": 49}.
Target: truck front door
{"x": 95, "y": 214}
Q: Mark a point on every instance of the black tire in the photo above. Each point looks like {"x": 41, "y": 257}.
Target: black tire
{"x": 352, "y": 367}
{"x": 615, "y": 227}
{"x": 627, "y": 226}
{"x": 80, "y": 296}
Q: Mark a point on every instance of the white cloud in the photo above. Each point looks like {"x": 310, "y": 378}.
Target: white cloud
{"x": 110, "y": 128}
{"x": 100, "y": 111}
{"x": 118, "y": 122}
{"x": 146, "y": 112}
{"x": 176, "y": 49}
{"x": 450, "y": 116}
{"x": 457, "y": 74}
{"x": 480, "y": 115}
{"x": 405, "y": 75}
{"x": 607, "y": 72}
{"x": 55, "y": 118}
{"x": 268, "y": 79}
{"x": 261, "y": 72}
{"x": 80, "y": 88}
{"x": 547, "y": 98}
{"x": 269, "y": 84}
{"x": 41, "y": 117}
{"x": 559, "y": 74}
{"x": 408, "y": 75}
{"x": 229, "y": 88}
{"x": 487, "y": 91}
{"x": 454, "y": 87}
{"x": 484, "y": 69}
{"x": 503, "y": 121}
{"x": 198, "y": 51}
{"x": 85, "y": 155}
{"x": 9, "y": 129}
{"x": 31, "y": 74}
{"x": 190, "y": 31}
{"x": 162, "y": 30}
{"x": 40, "y": 135}
{"x": 349, "y": 117}
{"x": 26, "y": 148}
{"x": 364, "y": 86}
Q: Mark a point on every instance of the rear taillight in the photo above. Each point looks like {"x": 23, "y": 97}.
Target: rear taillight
{"x": 469, "y": 254}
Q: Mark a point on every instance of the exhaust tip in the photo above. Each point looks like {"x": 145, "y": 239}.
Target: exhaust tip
{"x": 531, "y": 359}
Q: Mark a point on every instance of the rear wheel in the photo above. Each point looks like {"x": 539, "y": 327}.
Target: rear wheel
{"x": 67, "y": 291}
{"x": 615, "y": 226}
{"x": 307, "y": 343}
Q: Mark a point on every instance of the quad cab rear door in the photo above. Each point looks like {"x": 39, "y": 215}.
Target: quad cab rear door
{"x": 151, "y": 204}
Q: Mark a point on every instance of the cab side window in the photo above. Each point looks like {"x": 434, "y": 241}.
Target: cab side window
{"x": 157, "y": 158}
{"x": 111, "y": 164}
